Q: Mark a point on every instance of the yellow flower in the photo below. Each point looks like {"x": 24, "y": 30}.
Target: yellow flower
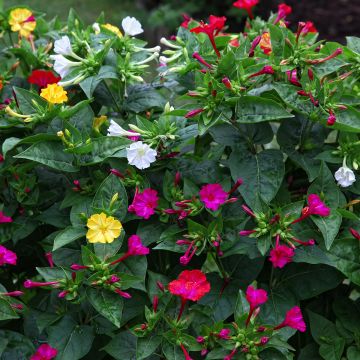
{"x": 103, "y": 229}
{"x": 54, "y": 94}
{"x": 113, "y": 29}
{"x": 98, "y": 121}
{"x": 22, "y": 20}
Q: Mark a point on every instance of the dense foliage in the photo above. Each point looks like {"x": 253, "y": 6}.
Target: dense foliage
{"x": 198, "y": 204}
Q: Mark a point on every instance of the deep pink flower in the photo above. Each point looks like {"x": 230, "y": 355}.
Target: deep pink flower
{"x": 266, "y": 70}
{"x": 49, "y": 258}
{"x": 292, "y": 77}
{"x": 5, "y": 219}
{"x": 123, "y": 294}
{"x": 281, "y": 255}
{"x": 316, "y": 206}
{"x": 255, "y": 297}
{"x": 7, "y": 256}
{"x": 135, "y": 137}
{"x": 76, "y": 267}
{"x": 224, "y": 334}
{"x": 44, "y": 352}
{"x": 213, "y": 196}
{"x": 331, "y": 120}
{"x": 135, "y": 246}
{"x": 28, "y": 284}
{"x": 186, "y": 354}
{"x": 145, "y": 203}
{"x": 309, "y": 28}
{"x": 13, "y": 293}
{"x": 190, "y": 114}
{"x": 293, "y": 319}
{"x": 283, "y": 11}
{"x": 354, "y": 233}
{"x": 247, "y": 5}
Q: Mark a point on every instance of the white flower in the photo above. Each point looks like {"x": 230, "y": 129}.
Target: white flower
{"x": 62, "y": 65}
{"x": 131, "y": 26}
{"x": 62, "y": 46}
{"x": 116, "y": 130}
{"x": 96, "y": 28}
{"x": 345, "y": 176}
{"x": 140, "y": 155}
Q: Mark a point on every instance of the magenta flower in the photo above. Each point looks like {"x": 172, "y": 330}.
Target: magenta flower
{"x": 283, "y": 11}
{"x": 281, "y": 255}
{"x": 354, "y": 233}
{"x": 293, "y": 319}
{"x": 28, "y": 284}
{"x": 193, "y": 113}
{"x": 255, "y": 297}
{"x": 224, "y": 334}
{"x": 7, "y": 256}
{"x": 5, "y": 219}
{"x": 44, "y": 352}
{"x": 135, "y": 246}
{"x": 213, "y": 196}
{"x": 145, "y": 203}
{"x": 315, "y": 207}
{"x": 292, "y": 77}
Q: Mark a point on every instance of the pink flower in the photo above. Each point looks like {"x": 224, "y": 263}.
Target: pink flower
{"x": 44, "y": 352}
{"x": 281, "y": 255}
{"x": 28, "y": 284}
{"x": 145, "y": 203}
{"x": 246, "y": 5}
{"x": 135, "y": 246}
{"x": 5, "y": 219}
{"x": 267, "y": 69}
{"x": 7, "y": 256}
{"x": 193, "y": 113}
{"x": 135, "y": 137}
{"x": 255, "y": 297}
{"x": 213, "y": 195}
{"x": 123, "y": 294}
{"x": 354, "y": 233}
{"x": 331, "y": 120}
{"x": 293, "y": 319}
{"x": 186, "y": 354}
{"x": 283, "y": 11}
{"x": 316, "y": 206}
{"x": 13, "y": 293}
{"x": 292, "y": 77}
{"x": 224, "y": 334}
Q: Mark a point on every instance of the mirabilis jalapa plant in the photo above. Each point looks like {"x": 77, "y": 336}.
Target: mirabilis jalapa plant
{"x": 195, "y": 201}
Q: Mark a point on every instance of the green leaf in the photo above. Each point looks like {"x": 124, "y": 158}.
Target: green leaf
{"x": 262, "y": 173}
{"x": 67, "y": 236}
{"x": 108, "y": 304}
{"x": 108, "y": 188}
{"x": 71, "y": 340}
{"x": 122, "y": 346}
{"x": 348, "y": 120}
{"x": 26, "y": 100}
{"x": 146, "y": 346}
{"x": 49, "y": 154}
{"x": 9, "y": 144}
{"x": 6, "y": 311}
{"x": 254, "y": 109}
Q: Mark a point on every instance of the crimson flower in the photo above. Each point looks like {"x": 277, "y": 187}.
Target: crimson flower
{"x": 331, "y": 120}
{"x": 281, "y": 255}
{"x": 211, "y": 30}
{"x": 213, "y": 196}
{"x": 43, "y": 78}
{"x": 247, "y": 5}
{"x": 309, "y": 28}
{"x": 354, "y": 233}
{"x": 190, "y": 285}
{"x": 144, "y": 203}
{"x": 292, "y": 77}
{"x": 293, "y": 319}
{"x": 283, "y": 11}
{"x": 7, "y": 256}
{"x": 44, "y": 352}
{"x": 186, "y": 21}
{"x": 4, "y": 219}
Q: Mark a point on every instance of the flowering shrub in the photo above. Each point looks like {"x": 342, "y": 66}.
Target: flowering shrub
{"x": 201, "y": 203}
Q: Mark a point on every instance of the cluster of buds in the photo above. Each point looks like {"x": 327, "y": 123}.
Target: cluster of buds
{"x": 279, "y": 227}
{"x": 152, "y": 318}
{"x": 176, "y": 52}
{"x": 185, "y": 208}
{"x": 246, "y": 335}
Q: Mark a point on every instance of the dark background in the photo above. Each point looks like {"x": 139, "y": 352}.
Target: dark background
{"x": 335, "y": 19}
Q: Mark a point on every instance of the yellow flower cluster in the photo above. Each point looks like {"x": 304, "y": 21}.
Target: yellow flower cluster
{"x": 54, "y": 94}
{"x": 103, "y": 229}
{"x": 22, "y": 20}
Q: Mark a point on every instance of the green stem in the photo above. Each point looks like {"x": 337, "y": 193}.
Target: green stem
{"x": 112, "y": 97}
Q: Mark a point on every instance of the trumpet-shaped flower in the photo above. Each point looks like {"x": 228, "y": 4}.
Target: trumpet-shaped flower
{"x": 140, "y": 155}
{"x": 23, "y": 21}
{"x": 62, "y": 65}
{"x": 103, "y": 229}
{"x": 144, "y": 203}
{"x": 293, "y": 319}
{"x": 62, "y": 46}
{"x": 116, "y": 130}
{"x": 131, "y": 26}
{"x": 345, "y": 176}
{"x": 44, "y": 352}
{"x": 246, "y": 5}
{"x": 54, "y": 94}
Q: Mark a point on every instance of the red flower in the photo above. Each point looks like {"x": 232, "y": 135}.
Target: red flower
{"x": 190, "y": 285}
{"x": 281, "y": 255}
{"x": 44, "y": 352}
{"x": 7, "y": 256}
{"x": 43, "y": 78}
{"x": 293, "y": 319}
{"x": 145, "y": 203}
{"x": 309, "y": 28}
{"x": 4, "y": 219}
{"x": 186, "y": 21}
{"x": 246, "y": 5}
{"x": 283, "y": 11}
{"x": 211, "y": 29}
{"x": 213, "y": 196}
